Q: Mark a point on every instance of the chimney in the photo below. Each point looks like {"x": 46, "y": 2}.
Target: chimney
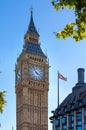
{"x": 80, "y": 75}
{"x": 80, "y": 80}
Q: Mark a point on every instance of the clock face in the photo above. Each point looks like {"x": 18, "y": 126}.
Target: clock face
{"x": 18, "y": 75}
{"x": 36, "y": 73}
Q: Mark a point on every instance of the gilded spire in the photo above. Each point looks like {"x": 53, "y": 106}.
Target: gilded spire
{"x": 31, "y": 10}
{"x": 31, "y": 35}
{"x": 31, "y": 27}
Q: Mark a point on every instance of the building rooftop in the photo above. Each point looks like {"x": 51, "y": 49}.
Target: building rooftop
{"x": 33, "y": 48}
{"x": 31, "y": 27}
{"x": 75, "y": 100}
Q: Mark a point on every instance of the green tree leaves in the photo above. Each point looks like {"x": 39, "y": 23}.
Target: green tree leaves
{"x": 67, "y": 32}
{"x": 2, "y": 100}
{"x": 77, "y": 29}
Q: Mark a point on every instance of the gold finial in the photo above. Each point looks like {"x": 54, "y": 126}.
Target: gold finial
{"x": 31, "y": 9}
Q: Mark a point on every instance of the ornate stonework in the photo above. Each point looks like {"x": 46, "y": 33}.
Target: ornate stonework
{"x": 32, "y": 88}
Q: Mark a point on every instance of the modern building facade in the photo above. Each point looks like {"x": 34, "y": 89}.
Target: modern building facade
{"x": 71, "y": 113}
{"x": 32, "y": 83}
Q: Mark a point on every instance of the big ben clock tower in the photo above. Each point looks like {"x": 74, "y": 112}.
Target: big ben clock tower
{"x": 32, "y": 83}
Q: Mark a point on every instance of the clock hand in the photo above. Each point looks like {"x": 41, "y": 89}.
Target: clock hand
{"x": 34, "y": 69}
{"x": 37, "y": 73}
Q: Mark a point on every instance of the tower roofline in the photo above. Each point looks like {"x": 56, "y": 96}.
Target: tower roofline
{"x": 31, "y": 27}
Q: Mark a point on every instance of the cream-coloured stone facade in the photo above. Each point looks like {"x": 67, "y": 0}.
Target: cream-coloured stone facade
{"x": 31, "y": 93}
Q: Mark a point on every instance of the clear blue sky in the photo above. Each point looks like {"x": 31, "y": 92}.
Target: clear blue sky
{"x": 64, "y": 55}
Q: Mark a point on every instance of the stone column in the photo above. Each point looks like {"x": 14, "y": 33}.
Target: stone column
{"x": 60, "y": 123}
{"x": 74, "y": 120}
{"x": 67, "y": 121}
{"x": 82, "y": 118}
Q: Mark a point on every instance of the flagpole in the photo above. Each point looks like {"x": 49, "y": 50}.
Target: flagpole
{"x": 58, "y": 89}
{"x": 60, "y": 76}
